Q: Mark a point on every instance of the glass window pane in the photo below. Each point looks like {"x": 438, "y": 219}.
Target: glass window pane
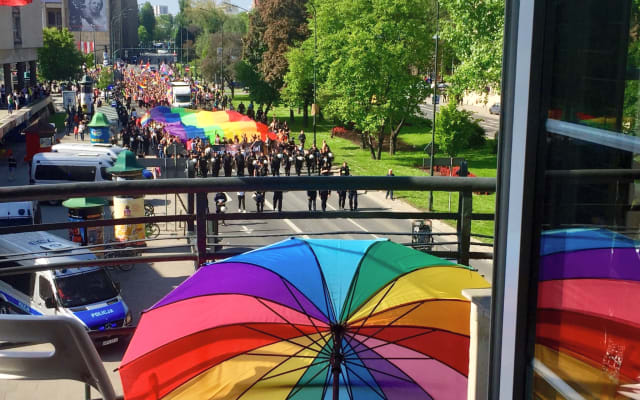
{"x": 587, "y": 334}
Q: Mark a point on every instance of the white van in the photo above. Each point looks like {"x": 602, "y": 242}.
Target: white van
{"x": 180, "y": 94}
{"x": 17, "y": 213}
{"x": 100, "y": 148}
{"x": 47, "y": 168}
{"x": 87, "y": 294}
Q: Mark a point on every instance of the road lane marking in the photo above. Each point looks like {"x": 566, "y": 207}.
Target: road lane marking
{"x": 288, "y": 222}
{"x": 362, "y": 228}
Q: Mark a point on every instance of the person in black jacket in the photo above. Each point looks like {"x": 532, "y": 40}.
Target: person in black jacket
{"x": 324, "y": 194}
{"x": 298, "y": 160}
{"x": 251, "y": 163}
{"x": 311, "y": 197}
{"x": 227, "y": 164}
{"x": 215, "y": 164}
{"x": 275, "y": 163}
{"x": 288, "y": 159}
{"x": 342, "y": 194}
{"x": 310, "y": 159}
{"x": 239, "y": 160}
{"x": 277, "y": 201}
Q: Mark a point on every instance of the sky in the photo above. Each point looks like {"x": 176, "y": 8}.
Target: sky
{"x": 173, "y": 4}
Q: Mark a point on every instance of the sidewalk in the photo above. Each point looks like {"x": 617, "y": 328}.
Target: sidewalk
{"x": 17, "y": 117}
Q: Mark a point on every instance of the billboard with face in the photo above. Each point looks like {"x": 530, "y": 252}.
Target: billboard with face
{"x": 88, "y": 15}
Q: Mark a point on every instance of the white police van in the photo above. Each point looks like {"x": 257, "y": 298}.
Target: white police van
{"x": 86, "y": 293}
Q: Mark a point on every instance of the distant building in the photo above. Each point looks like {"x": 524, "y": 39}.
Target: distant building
{"x": 98, "y": 26}
{"x": 19, "y": 43}
{"x": 160, "y": 10}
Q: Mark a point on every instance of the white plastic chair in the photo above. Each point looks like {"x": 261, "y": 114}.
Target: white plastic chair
{"x": 74, "y": 356}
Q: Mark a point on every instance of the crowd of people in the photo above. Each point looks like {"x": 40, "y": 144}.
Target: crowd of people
{"x": 240, "y": 155}
{"x": 16, "y": 99}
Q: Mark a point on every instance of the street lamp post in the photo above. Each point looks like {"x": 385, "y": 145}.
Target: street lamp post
{"x": 435, "y": 96}
{"x": 315, "y": 50}
{"x": 112, "y": 33}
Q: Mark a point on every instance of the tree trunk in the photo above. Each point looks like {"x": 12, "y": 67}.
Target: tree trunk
{"x": 291, "y": 116}
{"x": 380, "y": 141}
{"x": 233, "y": 90}
{"x": 305, "y": 115}
{"x": 393, "y": 140}
{"x": 369, "y": 139}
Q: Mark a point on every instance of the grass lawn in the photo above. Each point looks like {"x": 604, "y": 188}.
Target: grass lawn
{"x": 406, "y": 162}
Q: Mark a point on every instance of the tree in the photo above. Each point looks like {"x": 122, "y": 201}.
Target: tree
{"x": 474, "y": 30}
{"x": 143, "y": 35}
{"x": 59, "y": 45}
{"x": 457, "y": 131}
{"x": 105, "y": 79}
{"x": 285, "y": 23}
{"x": 147, "y": 20}
{"x": 164, "y": 28}
{"x": 371, "y": 58}
{"x": 298, "y": 82}
{"x": 248, "y": 71}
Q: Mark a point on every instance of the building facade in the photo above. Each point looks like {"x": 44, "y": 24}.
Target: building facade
{"x": 160, "y": 10}
{"x": 19, "y": 44}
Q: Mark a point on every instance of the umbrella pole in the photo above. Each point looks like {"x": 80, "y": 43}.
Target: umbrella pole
{"x": 336, "y": 358}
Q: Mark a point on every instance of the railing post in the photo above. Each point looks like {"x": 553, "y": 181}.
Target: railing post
{"x": 201, "y": 227}
{"x": 190, "y": 211}
{"x": 464, "y": 223}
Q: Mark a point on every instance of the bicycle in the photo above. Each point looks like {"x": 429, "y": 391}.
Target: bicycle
{"x": 120, "y": 252}
{"x": 151, "y": 229}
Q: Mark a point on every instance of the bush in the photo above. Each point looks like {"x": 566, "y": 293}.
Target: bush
{"x": 457, "y": 131}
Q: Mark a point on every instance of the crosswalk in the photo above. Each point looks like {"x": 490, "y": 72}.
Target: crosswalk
{"x": 110, "y": 113}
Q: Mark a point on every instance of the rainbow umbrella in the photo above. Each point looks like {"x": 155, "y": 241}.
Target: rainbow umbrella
{"x": 588, "y": 323}
{"x": 187, "y": 124}
{"x": 309, "y": 319}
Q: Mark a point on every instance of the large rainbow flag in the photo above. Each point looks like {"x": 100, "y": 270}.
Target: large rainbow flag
{"x": 188, "y": 124}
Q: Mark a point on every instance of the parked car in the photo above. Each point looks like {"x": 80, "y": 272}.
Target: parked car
{"x": 495, "y": 109}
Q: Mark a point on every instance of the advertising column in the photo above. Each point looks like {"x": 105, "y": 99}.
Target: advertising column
{"x": 125, "y": 206}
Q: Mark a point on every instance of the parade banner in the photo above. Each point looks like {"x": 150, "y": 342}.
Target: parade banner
{"x": 128, "y": 207}
{"x": 88, "y": 16}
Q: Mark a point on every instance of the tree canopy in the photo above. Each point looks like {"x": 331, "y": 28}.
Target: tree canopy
{"x": 58, "y": 45}
{"x": 370, "y": 60}
{"x": 147, "y": 19}
{"x": 473, "y": 29}
{"x": 164, "y": 27}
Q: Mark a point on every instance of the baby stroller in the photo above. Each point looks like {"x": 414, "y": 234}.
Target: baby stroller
{"x": 421, "y": 238}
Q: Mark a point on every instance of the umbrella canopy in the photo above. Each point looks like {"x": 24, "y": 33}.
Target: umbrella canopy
{"x": 309, "y": 319}
{"x": 588, "y": 330}
{"x": 188, "y": 124}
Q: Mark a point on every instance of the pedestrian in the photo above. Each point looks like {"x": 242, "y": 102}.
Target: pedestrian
{"x": 81, "y": 129}
{"x": 353, "y": 199}
{"x": 10, "y": 103}
{"x": 75, "y": 132}
{"x": 277, "y": 201}
{"x": 311, "y": 197}
{"x": 241, "y": 204}
{"x": 13, "y": 164}
{"x": 302, "y": 138}
{"x": 298, "y": 162}
{"x": 390, "y": 191}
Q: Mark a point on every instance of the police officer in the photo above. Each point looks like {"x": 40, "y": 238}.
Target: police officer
{"x": 215, "y": 164}
{"x": 299, "y": 159}
{"x": 288, "y": 159}
{"x": 324, "y": 194}
{"x": 275, "y": 163}
{"x": 342, "y": 194}
{"x": 263, "y": 163}
{"x": 258, "y": 196}
{"x": 239, "y": 160}
{"x": 277, "y": 201}
{"x": 311, "y": 197}
{"x": 310, "y": 159}
{"x": 227, "y": 164}
{"x": 251, "y": 163}
{"x": 302, "y": 138}
{"x": 203, "y": 164}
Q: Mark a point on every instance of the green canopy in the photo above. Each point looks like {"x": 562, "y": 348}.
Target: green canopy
{"x": 99, "y": 120}
{"x": 125, "y": 164}
{"x": 84, "y": 202}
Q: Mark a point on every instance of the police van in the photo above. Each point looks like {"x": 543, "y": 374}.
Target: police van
{"x": 87, "y": 294}
{"x": 100, "y": 148}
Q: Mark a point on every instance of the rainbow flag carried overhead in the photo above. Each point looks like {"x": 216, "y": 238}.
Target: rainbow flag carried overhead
{"x": 188, "y": 124}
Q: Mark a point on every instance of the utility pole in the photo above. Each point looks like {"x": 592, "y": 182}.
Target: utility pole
{"x": 315, "y": 50}
{"x": 435, "y": 96}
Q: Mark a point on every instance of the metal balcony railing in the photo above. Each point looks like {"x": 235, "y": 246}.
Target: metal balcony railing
{"x": 198, "y": 247}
